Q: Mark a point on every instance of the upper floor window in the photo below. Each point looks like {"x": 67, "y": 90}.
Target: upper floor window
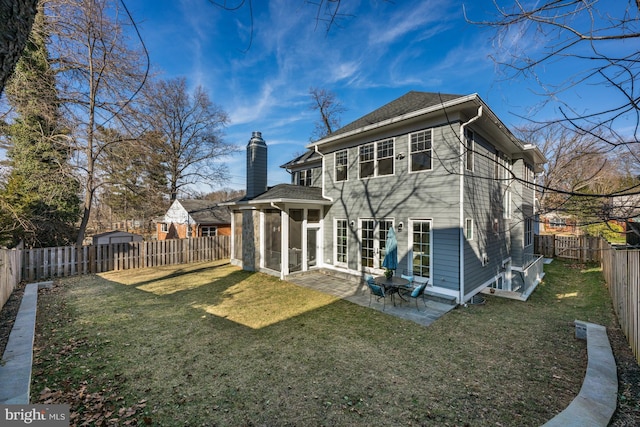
{"x": 502, "y": 167}
{"x": 421, "y": 150}
{"x": 304, "y": 177}
{"x": 528, "y": 175}
{"x": 385, "y": 157}
{"x": 164, "y": 227}
{"x": 469, "y": 147}
{"x": 367, "y": 156}
{"x": 506, "y": 208}
{"x": 468, "y": 228}
{"x": 342, "y": 162}
{"x": 376, "y": 159}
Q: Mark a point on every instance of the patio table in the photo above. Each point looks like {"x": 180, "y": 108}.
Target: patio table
{"x": 392, "y": 285}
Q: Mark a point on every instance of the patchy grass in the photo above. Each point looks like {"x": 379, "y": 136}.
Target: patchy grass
{"x": 209, "y": 344}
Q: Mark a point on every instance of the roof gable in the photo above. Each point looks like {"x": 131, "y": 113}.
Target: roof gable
{"x": 205, "y": 211}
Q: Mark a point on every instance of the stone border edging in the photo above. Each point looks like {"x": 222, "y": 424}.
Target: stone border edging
{"x": 597, "y": 400}
{"x": 15, "y": 369}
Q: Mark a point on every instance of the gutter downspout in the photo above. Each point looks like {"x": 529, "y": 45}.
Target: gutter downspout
{"x": 462, "y": 173}
{"x": 315, "y": 148}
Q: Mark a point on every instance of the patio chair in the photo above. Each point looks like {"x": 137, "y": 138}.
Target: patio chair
{"x": 409, "y": 278}
{"x": 418, "y": 292}
{"x": 377, "y": 291}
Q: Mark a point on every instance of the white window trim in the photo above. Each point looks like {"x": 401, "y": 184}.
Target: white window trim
{"x": 507, "y": 208}
{"x": 528, "y": 232}
{"x": 335, "y": 243}
{"x": 377, "y": 263}
{"x": 410, "y": 152}
{"x": 470, "y": 146}
{"x": 419, "y": 279}
{"x": 469, "y": 229}
{"x": 164, "y": 227}
{"x": 335, "y": 166}
{"x": 303, "y": 176}
{"x": 376, "y": 159}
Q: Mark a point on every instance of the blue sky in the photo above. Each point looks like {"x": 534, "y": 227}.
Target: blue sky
{"x": 382, "y": 51}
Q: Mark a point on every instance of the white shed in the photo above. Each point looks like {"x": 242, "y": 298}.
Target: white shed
{"x": 116, "y": 237}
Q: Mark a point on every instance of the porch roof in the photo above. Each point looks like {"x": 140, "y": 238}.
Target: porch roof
{"x": 289, "y": 193}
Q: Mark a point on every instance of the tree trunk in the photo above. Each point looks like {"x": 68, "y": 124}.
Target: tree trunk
{"x": 16, "y": 20}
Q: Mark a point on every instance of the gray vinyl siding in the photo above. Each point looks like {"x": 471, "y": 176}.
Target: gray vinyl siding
{"x": 523, "y": 198}
{"x": 430, "y": 195}
{"x": 483, "y": 202}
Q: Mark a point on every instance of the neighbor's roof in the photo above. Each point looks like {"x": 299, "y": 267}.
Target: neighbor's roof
{"x": 206, "y": 212}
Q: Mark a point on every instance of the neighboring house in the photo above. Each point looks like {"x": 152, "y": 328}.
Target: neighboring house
{"x": 443, "y": 170}
{"x": 558, "y": 223}
{"x": 194, "y": 218}
{"x": 115, "y": 237}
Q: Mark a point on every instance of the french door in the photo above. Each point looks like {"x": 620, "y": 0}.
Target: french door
{"x": 373, "y": 237}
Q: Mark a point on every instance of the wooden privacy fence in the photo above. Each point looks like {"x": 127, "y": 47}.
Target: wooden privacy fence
{"x": 621, "y": 270}
{"x": 9, "y": 273}
{"x": 45, "y": 263}
{"x": 580, "y": 248}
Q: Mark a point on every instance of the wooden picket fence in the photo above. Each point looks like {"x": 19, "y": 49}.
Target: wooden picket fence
{"x": 46, "y": 263}
{"x": 621, "y": 270}
{"x": 9, "y": 273}
{"x": 579, "y": 248}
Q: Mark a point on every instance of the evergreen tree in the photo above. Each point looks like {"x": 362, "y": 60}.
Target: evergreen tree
{"x": 39, "y": 200}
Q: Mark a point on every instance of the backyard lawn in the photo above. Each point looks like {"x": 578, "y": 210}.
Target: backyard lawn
{"x": 210, "y": 344}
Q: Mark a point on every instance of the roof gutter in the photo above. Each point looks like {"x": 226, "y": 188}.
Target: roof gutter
{"x": 461, "y": 193}
{"x": 417, "y": 113}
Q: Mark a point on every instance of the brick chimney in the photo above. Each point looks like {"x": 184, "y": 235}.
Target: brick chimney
{"x": 256, "y": 165}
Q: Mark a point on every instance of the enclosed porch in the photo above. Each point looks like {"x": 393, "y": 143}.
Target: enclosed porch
{"x": 279, "y": 232}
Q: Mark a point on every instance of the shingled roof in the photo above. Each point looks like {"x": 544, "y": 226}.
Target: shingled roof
{"x": 206, "y": 212}
{"x": 407, "y": 103}
{"x": 309, "y": 156}
{"x": 291, "y": 192}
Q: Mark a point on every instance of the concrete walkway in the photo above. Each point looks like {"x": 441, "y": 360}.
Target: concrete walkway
{"x": 358, "y": 293}
{"x": 15, "y": 368}
{"x": 597, "y": 400}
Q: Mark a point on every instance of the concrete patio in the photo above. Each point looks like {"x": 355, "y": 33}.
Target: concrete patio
{"x": 349, "y": 288}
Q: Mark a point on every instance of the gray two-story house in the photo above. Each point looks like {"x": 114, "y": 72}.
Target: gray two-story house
{"x": 455, "y": 184}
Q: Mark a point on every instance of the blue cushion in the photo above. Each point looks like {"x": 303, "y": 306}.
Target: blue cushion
{"x": 417, "y": 291}
{"x": 377, "y": 290}
{"x": 409, "y": 278}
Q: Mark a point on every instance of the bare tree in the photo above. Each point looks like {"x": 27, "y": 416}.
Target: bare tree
{"x": 329, "y": 107}
{"x": 186, "y": 132}
{"x": 589, "y": 44}
{"x": 598, "y": 41}
{"x": 16, "y": 20}
{"x": 580, "y": 175}
{"x": 98, "y": 76}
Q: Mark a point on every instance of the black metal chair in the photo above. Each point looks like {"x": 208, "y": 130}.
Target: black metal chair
{"x": 377, "y": 291}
